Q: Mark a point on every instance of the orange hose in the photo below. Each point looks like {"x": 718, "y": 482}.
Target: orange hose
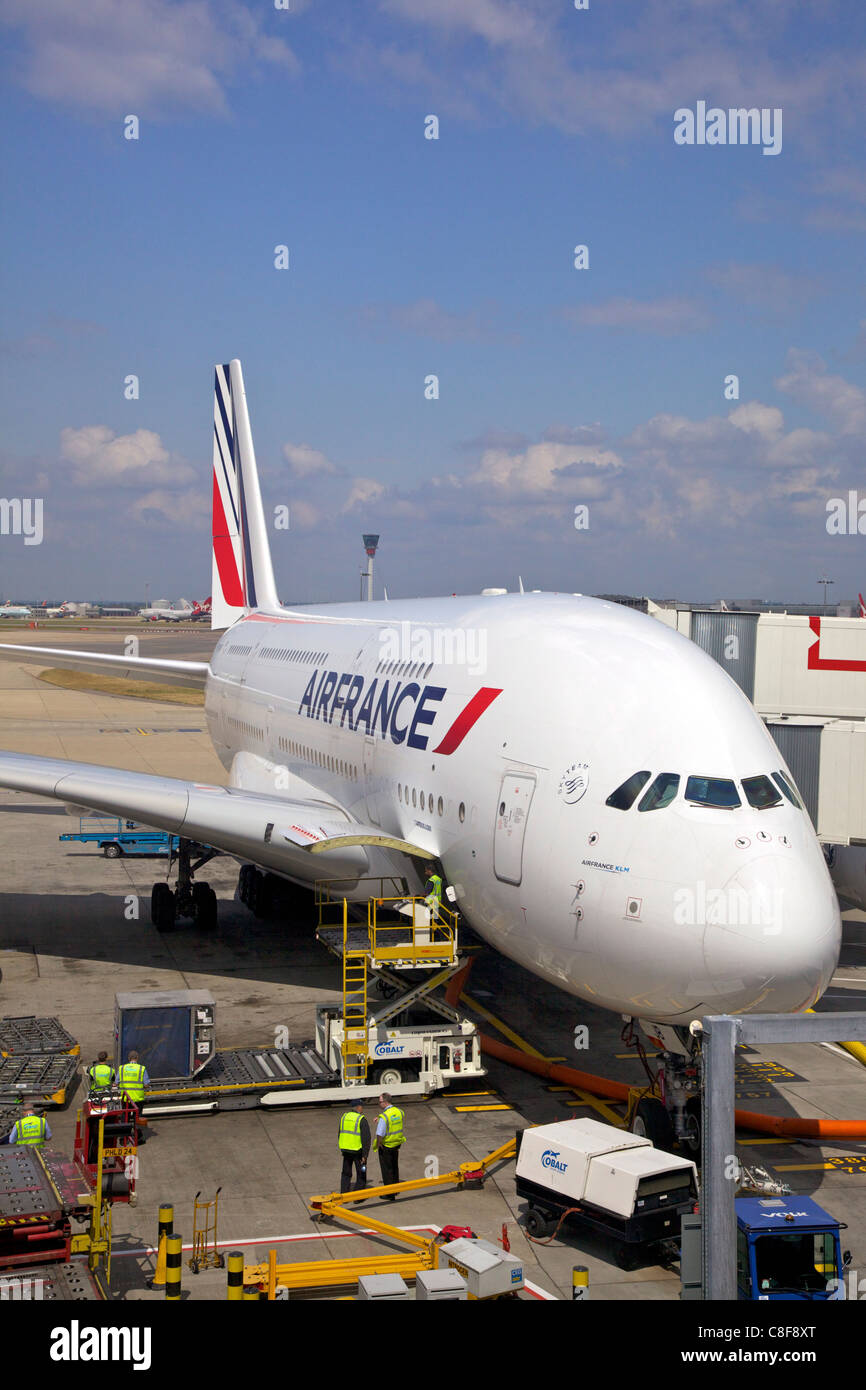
{"x": 796, "y": 1126}
{"x": 618, "y": 1090}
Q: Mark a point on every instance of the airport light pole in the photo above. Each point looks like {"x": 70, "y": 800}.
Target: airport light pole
{"x": 826, "y": 583}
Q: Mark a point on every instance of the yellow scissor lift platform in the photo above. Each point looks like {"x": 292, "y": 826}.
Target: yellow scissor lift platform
{"x": 388, "y": 936}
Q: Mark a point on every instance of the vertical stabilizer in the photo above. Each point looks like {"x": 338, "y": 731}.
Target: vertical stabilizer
{"x": 243, "y": 577}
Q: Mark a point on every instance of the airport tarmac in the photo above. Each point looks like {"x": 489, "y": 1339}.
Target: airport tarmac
{"x": 68, "y": 943}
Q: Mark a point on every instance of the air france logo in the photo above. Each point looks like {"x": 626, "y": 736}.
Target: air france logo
{"x": 574, "y": 783}
{"x": 378, "y": 708}
{"x": 550, "y": 1159}
{"x": 389, "y": 1049}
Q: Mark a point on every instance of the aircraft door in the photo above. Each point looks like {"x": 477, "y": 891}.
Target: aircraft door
{"x": 512, "y": 812}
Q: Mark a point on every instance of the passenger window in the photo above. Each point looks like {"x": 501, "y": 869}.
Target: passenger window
{"x": 624, "y": 796}
{"x": 661, "y": 793}
{"x": 760, "y": 792}
{"x": 788, "y": 788}
{"x": 712, "y": 791}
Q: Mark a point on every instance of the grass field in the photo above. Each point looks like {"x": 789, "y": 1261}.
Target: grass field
{"x": 115, "y": 685}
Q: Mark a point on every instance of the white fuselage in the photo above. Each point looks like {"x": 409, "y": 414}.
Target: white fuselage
{"x": 666, "y": 914}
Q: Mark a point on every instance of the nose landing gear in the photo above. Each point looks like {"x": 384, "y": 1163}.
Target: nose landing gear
{"x": 195, "y": 900}
{"x": 671, "y": 1114}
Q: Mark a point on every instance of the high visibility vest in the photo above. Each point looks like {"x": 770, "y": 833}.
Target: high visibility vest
{"x": 350, "y": 1132}
{"x": 132, "y": 1080}
{"x": 31, "y": 1130}
{"x": 395, "y": 1136}
{"x": 101, "y": 1075}
{"x": 437, "y": 888}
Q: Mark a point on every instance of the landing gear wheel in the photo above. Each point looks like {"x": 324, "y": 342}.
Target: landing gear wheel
{"x": 537, "y": 1224}
{"x": 691, "y": 1139}
{"x": 651, "y": 1121}
{"x": 388, "y": 1075}
{"x": 244, "y": 880}
{"x": 112, "y": 851}
{"x": 205, "y": 904}
{"x": 162, "y": 907}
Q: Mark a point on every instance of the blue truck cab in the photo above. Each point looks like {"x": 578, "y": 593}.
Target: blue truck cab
{"x": 788, "y": 1248}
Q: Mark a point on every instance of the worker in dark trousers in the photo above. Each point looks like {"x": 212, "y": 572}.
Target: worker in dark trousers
{"x": 389, "y": 1137}
{"x": 100, "y": 1074}
{"x": 354, "y": 1144}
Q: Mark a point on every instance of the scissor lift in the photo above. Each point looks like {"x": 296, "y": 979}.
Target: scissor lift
{"x": 394, "y": 936}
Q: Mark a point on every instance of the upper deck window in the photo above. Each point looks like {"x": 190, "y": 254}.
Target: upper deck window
{"x": 624, "y": 796}
{"x": 760, "y": 792}
{"x": 661, "y": 793}
{"x": 712, "y": 791}
{"x": 788, "y": 788}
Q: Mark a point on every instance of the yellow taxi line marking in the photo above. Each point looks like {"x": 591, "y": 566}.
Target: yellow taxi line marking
{"x": 459, "y": 1095}
{"x": 468, "y": 1108}
{"x": 768, "y": 1141}
{"x": 633, "y": 1057}
{"x": 503, "y": 1027}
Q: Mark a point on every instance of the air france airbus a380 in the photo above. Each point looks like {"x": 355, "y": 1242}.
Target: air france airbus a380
{"x": 606, "y": 804}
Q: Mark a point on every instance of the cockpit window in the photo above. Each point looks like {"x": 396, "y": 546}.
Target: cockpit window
{"x": 760, "y": 792}
{"x": 624, "y": 796}
{"x": 712, "y": 791}
{"x": 788, "y": 788}
{"x": 661, "y": 793}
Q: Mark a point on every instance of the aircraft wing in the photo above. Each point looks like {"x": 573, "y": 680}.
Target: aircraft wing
{"x": 169, "y": 671}
{"x": 306, "y": 839}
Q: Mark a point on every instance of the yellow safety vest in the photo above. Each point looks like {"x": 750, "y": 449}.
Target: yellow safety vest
{"x": 101, "y": 1075}
{"x": 395, "y": 1136}
{"x": 31, "y": 1130}
{"x": 350, "y": 1132}
{"x": 132, "y": 1080}
{"x": 437, "y": 888}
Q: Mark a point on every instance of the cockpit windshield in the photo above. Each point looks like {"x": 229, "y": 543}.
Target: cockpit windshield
{"x": 623, "y": 798}
{"x": 760, "y": 792}
{"x": 788, "y": 788}
{"x": 712, "y": 791}
{"x": 661, "y": 793}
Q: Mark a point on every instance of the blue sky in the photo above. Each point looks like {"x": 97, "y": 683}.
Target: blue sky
{"x": 408, "y": 256}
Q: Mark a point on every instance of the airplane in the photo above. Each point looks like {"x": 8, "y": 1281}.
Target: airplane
{"x": 163, "y": 611}
{"x": 604, "y": 803}
{"x": 14, "y": 610}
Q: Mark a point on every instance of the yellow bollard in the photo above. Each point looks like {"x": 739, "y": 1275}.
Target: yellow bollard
{"x": 166, "y": 1226}
{"x": 235, "y": 1281}
{"x": 251, "y": 1293}
{"x": 173, "y": 1267}
{"x": 579, "y": 1282}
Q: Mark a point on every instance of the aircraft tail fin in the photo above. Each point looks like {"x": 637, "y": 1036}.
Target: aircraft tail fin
{"x": 862, "y": 606}
{"x": 243, "y": 577}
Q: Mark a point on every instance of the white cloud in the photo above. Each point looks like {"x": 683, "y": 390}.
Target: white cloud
{"x": 99, "y": 457}
{"x": 141, "y": 57}
{"x": 808, "y": 381}
{"x": 545, "y": 468}
{"x": 191, "y": 508}
{"x": 363, "y": 491}
{"x": 303, "y": 460}
{"x": 666, "y": 315}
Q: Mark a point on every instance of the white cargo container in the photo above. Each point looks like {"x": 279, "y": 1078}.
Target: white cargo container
{"x": 606, "y": 1178}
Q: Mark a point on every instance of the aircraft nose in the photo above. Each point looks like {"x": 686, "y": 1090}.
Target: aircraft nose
{"x": 773, "y": 941}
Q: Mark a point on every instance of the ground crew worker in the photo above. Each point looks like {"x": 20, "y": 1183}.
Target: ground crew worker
{"x": 30, "y": 1129}
{"x": 354, "y": 1141}
{"x": 389, "y": 1137}
{"x": 433, "y": 892}
{"x": 133, "y": 1079}
{"x": 100, "y": 1074}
